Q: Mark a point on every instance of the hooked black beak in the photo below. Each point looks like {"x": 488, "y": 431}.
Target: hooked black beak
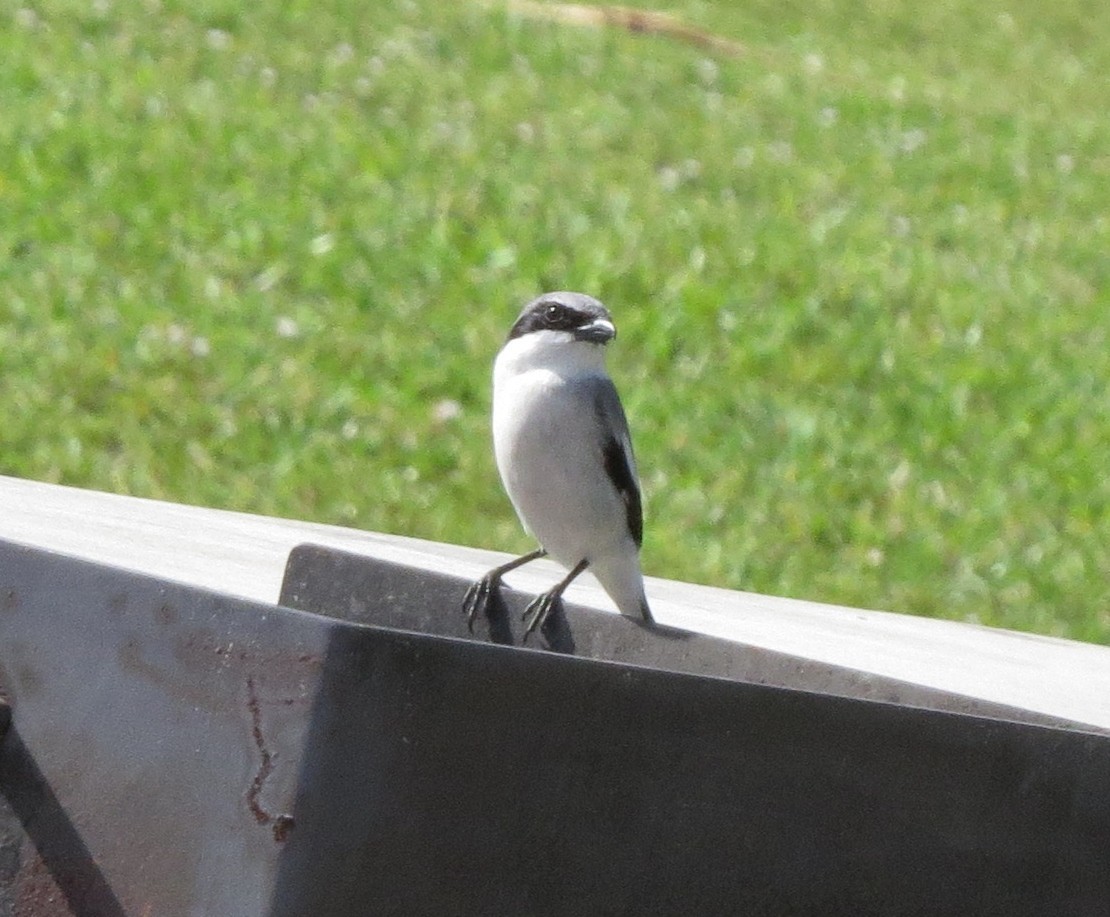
{"x": 599, "y": 331}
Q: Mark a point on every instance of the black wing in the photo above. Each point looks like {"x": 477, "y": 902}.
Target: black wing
{"x": 616, "y": 452}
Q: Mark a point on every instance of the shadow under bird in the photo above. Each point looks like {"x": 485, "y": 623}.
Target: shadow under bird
{"x": 563, "y": 449}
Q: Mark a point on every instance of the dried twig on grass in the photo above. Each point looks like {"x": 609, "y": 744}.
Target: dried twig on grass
{"x": 633, "y": 20}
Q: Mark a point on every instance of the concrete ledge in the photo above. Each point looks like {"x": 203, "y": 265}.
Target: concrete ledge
{"x": 244, "y": 556}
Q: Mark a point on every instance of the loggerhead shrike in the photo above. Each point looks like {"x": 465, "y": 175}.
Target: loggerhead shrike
{"x": 565, "y": 456}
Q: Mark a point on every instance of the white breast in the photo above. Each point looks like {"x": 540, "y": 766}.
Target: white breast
{"x": 548, "y": 447}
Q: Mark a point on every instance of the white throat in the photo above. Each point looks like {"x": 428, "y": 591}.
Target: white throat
{"x": 555, "y": 352}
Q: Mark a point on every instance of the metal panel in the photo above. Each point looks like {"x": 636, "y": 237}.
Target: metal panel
{"x": 176, "y": 752}
{"x": 371, "y": 591}
{"x": 156, "y": 735}
{"x": 472, "y": 779}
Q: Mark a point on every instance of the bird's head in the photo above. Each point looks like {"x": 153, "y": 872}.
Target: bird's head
{"x": 565, "y": 332}
{"x": 565, "y": 318}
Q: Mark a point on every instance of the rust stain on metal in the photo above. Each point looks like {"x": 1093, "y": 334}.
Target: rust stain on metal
{"x": 201, "y": 645}
{"x": 282, "y": 823}
{"x": 201, "y": 692}
{"x": 203, "y": 652}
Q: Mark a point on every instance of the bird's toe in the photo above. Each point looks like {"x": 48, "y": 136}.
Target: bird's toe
{"x": 538, "y": 611}
{"x": 476, "y": 600}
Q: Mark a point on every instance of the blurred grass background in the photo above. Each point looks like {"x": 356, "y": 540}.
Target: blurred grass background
{"x": 261, "y": 256}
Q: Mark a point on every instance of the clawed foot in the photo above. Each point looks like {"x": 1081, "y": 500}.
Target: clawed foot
{"x": 485, "y": 596}
{"x": 539, "y": 610}
{"x": 478, "y": 597}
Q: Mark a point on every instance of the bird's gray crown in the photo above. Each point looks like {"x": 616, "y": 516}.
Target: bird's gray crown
{"x": 577, "y": 313}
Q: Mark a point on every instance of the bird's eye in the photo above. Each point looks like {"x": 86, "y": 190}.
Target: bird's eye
{"x": 553, "y": 313}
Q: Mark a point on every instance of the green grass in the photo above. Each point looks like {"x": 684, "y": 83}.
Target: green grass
{"x": 256, "y": 255}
